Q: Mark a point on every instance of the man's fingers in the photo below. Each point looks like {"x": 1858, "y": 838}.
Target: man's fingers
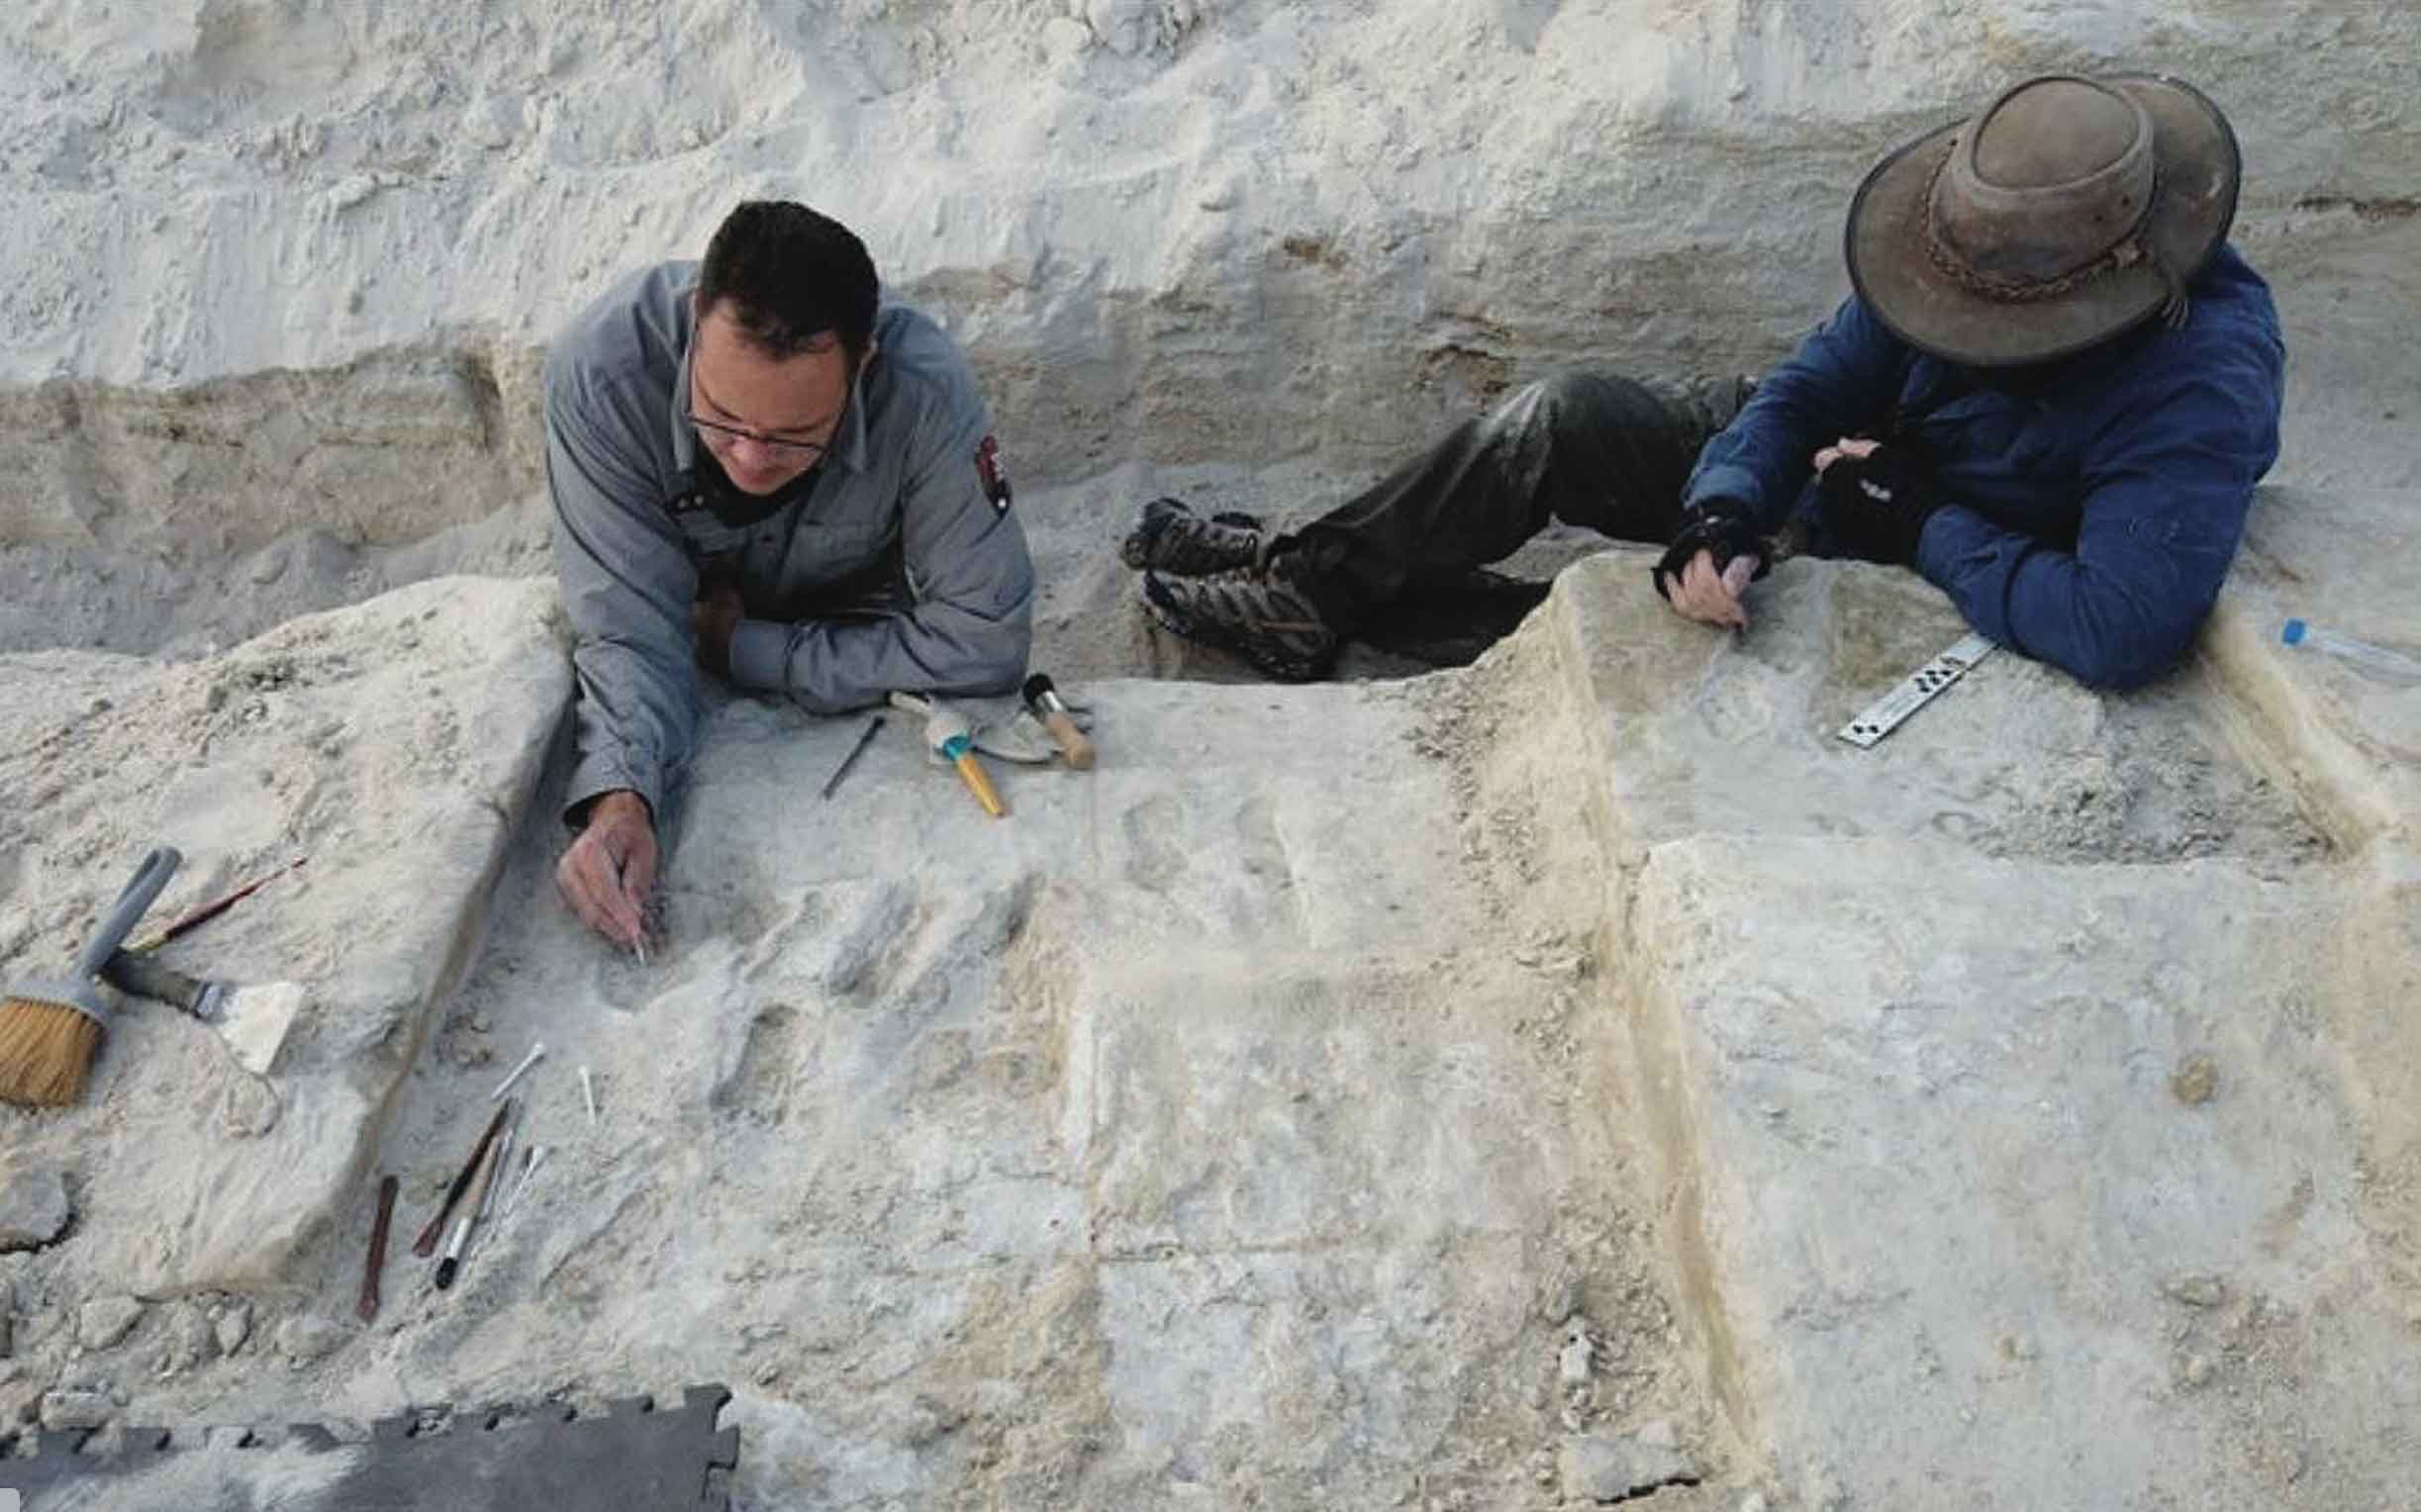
{"x": 593, "y": 884}
{"x": 638, "y": 874}
{"x": 1720, "y": 600}
{"x": 1700, "y": 592}
{"x": 635, "y": 858}
{"x": 1697, "y": 578}
{"x": 622, "y": 922}
{"x": 638, "y": 885}
{"x": 623, "y": 904}
{"x": 1704, "y": 593}
{"x": 577, "y": 879}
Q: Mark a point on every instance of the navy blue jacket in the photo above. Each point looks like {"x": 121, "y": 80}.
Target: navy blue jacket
{"x": 2089, "y": 525}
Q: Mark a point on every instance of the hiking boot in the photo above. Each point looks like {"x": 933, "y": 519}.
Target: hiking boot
{"x": 1259, "y": 612}
{"x": 1170, "y": 537}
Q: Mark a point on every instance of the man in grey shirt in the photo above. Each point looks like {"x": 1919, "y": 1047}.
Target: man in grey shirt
{"x": 760, "y": 468}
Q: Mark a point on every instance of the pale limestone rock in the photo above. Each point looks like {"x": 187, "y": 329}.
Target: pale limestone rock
{"x": 33, "y": 1207}
{"x": 234, "y": 1326}
{"x": 105, "y": 1321}
{"x": 75, "y": 1409}
{"x": 307, "y": 1337}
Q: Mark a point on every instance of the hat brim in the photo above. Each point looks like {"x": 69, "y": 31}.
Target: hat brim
{"x": 1884, "y": 242}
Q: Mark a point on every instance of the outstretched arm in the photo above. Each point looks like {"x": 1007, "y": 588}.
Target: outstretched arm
{"x": 1840, "y": 382}
{"x": 627, "y": 585}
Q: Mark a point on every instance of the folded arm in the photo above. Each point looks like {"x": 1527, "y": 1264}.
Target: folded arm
{"x": 968, "y": 629}
{"x": 2167, "y": 490}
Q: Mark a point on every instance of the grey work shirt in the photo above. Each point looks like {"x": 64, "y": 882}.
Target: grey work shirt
{"x": 904, "y": 494}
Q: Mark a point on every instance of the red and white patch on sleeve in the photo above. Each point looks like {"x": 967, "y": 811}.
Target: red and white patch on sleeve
{"x": 995, "y": 477}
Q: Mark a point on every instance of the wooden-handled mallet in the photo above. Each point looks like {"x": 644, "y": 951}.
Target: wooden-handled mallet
{"x": 1052, "y": 710}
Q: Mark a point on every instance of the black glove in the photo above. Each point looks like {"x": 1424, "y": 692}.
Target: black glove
{"x": 1877, "y": 504}
{"x": 1720, "y": 527}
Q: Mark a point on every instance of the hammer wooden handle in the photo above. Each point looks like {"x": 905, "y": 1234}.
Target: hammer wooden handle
{"x": 1074, "y": 744}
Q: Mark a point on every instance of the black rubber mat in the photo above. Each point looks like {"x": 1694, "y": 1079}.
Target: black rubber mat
{"x": 634, "y": 1458}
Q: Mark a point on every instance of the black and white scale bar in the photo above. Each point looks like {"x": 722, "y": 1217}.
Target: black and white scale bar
{"x": 1886, "y": 713}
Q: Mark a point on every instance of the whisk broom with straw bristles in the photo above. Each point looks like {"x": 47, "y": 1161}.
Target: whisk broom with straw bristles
{"x": 50, "y": 1031}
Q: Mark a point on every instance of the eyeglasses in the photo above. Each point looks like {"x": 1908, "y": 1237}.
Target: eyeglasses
{"x": 775, "y": 446}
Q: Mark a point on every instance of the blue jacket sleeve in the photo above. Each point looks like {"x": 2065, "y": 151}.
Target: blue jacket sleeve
{"x": 1840, "y": 382}
{"x": 2167, "y": 486}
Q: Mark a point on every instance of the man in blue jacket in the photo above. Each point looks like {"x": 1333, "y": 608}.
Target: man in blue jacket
{"x": 2051, "y": 393}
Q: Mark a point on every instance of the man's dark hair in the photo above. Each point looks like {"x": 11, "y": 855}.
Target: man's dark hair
{"x": 788, "y": 275}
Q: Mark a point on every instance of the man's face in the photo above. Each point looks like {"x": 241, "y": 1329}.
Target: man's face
{"x": 767, "y": 420}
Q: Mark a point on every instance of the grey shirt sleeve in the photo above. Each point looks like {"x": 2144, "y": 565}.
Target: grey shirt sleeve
{"x": 627, "y": 585}
{"x": 971, "y": 625}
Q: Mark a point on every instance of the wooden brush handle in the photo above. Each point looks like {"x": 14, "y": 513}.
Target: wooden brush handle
{"x": 1073, "y": 743}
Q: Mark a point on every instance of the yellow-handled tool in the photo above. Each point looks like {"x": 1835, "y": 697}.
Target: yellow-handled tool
{"x": 950, "y": 736}
{"x": 959, "y": 751}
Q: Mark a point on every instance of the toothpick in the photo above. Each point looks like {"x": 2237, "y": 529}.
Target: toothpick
{"x": 538, "y": 1158}
{"x": 537, "y": 1053}
{"x": 588, "y": 1094}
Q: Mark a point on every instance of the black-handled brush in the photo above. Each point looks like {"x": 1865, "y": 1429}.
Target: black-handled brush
{"x": 50, "y": 1031}
{"x": 1052, "y": 710}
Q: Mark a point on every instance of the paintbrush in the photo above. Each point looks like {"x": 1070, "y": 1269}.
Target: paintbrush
{"x": 50, "y": 1031}
{"x": 1052, "y": 710}
{"x": 215, "y": 907}
{"x": 452, "y": 1261}
{"x": 426, "y": 1244}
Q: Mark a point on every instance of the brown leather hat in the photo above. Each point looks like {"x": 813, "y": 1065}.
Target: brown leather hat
{"x": 2064, "y": 211}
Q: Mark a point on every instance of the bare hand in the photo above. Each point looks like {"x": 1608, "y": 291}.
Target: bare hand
{"x": 711, "y": 620}
{"x": 610, "y": 869}
{"x": 1709, "y": 597}
{"x": 1847, "y": 446}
